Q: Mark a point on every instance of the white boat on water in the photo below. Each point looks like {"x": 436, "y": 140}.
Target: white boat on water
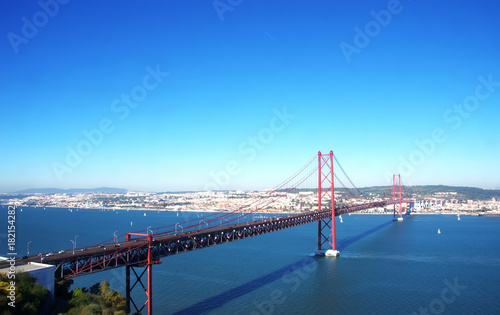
{"x": 340, "y": 219}
{"x": 458, "y": 217}
{"x": 439, "y": 231}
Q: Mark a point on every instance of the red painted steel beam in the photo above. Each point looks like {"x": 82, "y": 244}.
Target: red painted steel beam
{"x": 333, "y": 201}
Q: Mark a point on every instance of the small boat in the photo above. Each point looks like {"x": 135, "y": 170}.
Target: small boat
{"x": 458, "y": 217}
{"x": 340, "y": 219}
{"x": 130, "y": 223}
{"x": 439, "y": 231}
{"x": 144, "y": 213}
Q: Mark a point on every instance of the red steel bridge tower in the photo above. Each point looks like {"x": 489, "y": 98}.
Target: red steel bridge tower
{"x": 397, "y": 196}
{"x": 148, "y": 288}
{"x": 326, "y": 192}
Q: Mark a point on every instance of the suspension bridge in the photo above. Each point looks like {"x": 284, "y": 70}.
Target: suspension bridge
{"x": 139, "y": 251}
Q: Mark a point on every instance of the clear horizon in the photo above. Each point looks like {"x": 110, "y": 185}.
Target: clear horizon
{"x": 176, "y": 96}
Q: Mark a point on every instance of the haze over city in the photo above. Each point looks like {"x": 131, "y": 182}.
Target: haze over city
{"x": 190, "y": 95}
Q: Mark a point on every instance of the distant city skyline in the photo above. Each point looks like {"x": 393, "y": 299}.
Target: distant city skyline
{"x": 174, "y": 95}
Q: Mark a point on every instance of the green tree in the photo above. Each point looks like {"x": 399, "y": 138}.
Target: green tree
{"x": 61, "y": 289}
{"x": 95, "y": 289}
{"x": 100, "y": 299}
{"x": 113, "y": 299}
{"x": 30, "y": 297}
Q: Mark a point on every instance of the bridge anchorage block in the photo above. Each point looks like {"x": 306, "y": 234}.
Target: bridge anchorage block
{"x": 327, "y": 252}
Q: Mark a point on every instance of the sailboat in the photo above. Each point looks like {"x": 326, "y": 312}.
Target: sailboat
{"x": 439, "y": 231}
{"x": 340, "y": 219}
{"x": 458, "y": 217}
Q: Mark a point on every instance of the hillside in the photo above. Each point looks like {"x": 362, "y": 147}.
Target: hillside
{"x": 105, "y": 190}
{"x": 440, "y": 191}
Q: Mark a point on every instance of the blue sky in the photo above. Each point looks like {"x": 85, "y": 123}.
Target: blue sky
{"x": 177, "y": 90}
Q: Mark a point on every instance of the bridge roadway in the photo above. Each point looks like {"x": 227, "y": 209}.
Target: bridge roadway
{"x": 135, "y": 251}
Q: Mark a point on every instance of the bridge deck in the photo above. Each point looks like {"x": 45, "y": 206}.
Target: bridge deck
{"x": 135, "y": 252}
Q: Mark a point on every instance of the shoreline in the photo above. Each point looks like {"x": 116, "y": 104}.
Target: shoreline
{"x": 262, "y": 212}
{"x": 146, "y": 209}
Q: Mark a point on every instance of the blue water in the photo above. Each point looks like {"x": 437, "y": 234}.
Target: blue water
{"x": 385, "y": 267}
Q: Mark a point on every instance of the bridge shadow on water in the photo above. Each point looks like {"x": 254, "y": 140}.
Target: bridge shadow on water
{"x": 220, "y": 299}
{"x": 342, "y": 244}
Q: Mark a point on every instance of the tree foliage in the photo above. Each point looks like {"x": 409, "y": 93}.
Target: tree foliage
{"x": 30, "y": 297}
{"x": 61, "y": 289}
{"x": 99, "y": 299}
